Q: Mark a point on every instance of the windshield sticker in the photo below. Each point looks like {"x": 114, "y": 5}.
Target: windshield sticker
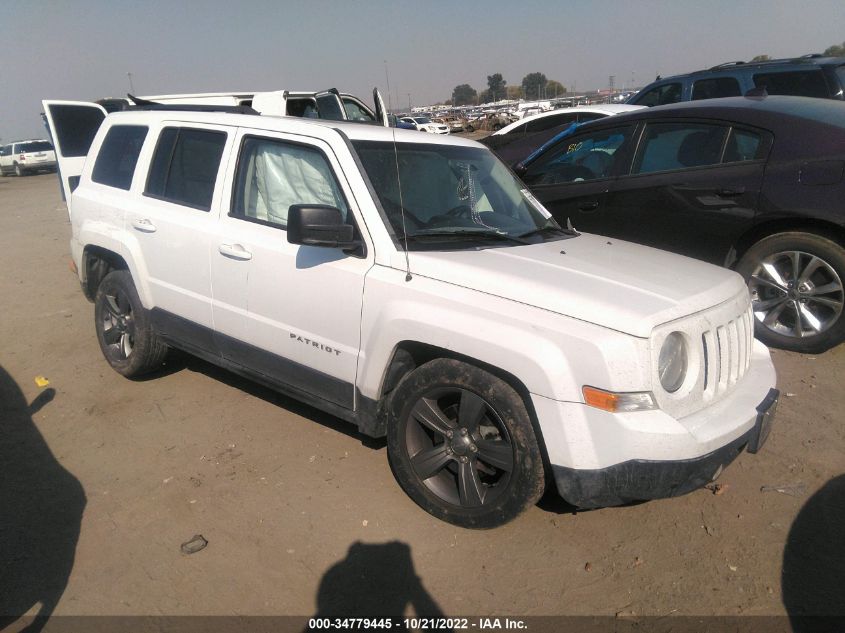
{"x": 535, "y": 203}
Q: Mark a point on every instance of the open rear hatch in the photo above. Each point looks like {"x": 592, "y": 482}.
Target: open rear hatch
{"x": 72, "y": 126}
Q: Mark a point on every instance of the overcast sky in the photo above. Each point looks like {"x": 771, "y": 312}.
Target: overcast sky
{"x": 77, "y": 49}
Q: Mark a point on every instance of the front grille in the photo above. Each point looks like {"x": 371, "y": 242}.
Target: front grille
{"x": 727, "y": 353}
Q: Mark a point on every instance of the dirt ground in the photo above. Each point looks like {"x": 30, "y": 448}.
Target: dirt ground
{"x": 103, "y": 478}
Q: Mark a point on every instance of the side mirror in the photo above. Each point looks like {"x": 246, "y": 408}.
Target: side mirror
{"x": 319, "y": 225}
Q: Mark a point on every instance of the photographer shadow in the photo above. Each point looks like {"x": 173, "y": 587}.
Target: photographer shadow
{"x": 813, "y": 575}
{"x": 41, "y": 506}
{"x": 375, "y": 580}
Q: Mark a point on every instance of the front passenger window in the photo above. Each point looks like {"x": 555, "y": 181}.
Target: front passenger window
{"x": 579, "y": 158}
{"x": 273, "y": 175}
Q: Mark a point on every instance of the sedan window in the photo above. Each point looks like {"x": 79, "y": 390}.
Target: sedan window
{"x": 579, "y": 158}
{"x": 669, "y": 146}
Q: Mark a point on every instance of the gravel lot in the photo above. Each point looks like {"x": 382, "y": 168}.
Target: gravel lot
{"x": 103, "y": 479}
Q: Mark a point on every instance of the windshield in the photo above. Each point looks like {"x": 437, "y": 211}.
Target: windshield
{"x": 422, "y": 120}
{"x": 451, "y": 190}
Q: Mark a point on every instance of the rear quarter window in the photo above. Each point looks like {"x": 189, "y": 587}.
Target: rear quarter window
{"x": 118, "y": 156}
{"x": 802, "y": 83}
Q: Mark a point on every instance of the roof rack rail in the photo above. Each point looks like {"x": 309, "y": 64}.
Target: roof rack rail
{"x": 187, "y": 107}
{"x": 725, "y": 65}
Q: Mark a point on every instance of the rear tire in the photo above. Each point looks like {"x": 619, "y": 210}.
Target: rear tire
{"x": 462, "y": 446}
{"x": 126, "y": 337}
{"x": 796, "y": 284}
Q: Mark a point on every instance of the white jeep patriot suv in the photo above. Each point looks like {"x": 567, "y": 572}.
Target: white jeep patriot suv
{"x": 411, "y": 285}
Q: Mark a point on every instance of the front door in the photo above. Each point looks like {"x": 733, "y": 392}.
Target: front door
{"x": 572, "y": 178}
{"x": 289, "y": 312}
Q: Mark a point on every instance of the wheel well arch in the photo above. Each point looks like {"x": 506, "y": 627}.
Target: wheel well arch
{"x": 824, "y": 228}
{"x": 408, "y": 355}
{"x": 97, "y": 262}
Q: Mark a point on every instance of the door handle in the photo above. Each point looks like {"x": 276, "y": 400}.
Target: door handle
{"x": 144, "y": 225}
{"x": 586, "y": 207}
{"x": 728, "y": 192}
{"x": 234, "y": 251}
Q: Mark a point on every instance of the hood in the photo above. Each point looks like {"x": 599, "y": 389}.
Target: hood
{"x": 615, "y": 284}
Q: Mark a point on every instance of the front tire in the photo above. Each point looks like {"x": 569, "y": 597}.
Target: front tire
{"x": 461, "y": 444}
{"x": 796, "y": 284}
{"x": 126, "y": 337}
{"x": 19, "y": 171}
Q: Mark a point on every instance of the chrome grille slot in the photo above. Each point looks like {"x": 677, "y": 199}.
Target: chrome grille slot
{"x": 727, "y": 354}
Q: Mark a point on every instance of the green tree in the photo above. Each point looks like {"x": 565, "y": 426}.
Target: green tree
{"x": 496, "y": 86}
{"x": 760, "y": 58}
{"x": 463, "y": 95}
{"x": 533, "y": 85}
{"x": 554, "y": 89}
{"x": 835, "y": 50}
{"x": 514, "y": 92}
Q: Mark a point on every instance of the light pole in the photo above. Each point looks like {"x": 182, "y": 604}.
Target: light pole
{"x": 131, "y": 87}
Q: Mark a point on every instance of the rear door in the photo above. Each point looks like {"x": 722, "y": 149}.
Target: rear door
{"x": 692, "y": 188}
{"x": 72, "y": 126}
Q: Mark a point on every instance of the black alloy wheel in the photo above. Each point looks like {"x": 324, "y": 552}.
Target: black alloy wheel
{"x": 462, "y": 445}
{"x": 126, "y": 336}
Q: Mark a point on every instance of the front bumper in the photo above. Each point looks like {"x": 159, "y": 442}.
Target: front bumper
{"x": 637, "y": 480}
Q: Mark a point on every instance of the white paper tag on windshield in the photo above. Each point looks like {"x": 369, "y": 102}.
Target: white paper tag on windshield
{"x": 535, "y": 203}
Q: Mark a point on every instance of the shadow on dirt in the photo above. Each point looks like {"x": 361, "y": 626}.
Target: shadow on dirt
{"x": 178, "y": 361}
{"x": 41, "y": 507}
{"x": 375, "y": 580}
{"x": 813, "y": 575}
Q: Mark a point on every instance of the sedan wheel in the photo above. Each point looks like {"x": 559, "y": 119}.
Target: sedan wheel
{"x": 797, "y": 292}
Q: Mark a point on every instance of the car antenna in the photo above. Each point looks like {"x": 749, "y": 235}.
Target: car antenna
{"x": 398, "y": 181}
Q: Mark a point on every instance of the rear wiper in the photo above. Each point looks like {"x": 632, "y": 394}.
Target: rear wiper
{"x": 464, "y": 234}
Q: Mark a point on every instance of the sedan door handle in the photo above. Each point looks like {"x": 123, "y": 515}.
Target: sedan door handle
{"x": 144, "y": 225}
{"x": 728, "y": 192}
{"x": 234, "y": 251}
{"x": 588, "y": 206}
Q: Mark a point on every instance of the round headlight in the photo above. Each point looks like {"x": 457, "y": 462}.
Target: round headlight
{"x": 672, "y": 363}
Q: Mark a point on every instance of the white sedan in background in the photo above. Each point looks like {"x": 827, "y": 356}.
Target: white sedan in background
{"x": 424, "y": 124}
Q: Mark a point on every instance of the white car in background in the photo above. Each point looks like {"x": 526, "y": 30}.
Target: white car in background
{"x": 553, "y": 118}
{"x": 424, "y": 124}
{"x": 27, "y": 157}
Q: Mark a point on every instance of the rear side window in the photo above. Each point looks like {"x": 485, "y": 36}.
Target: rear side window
{"x": 75, "y": 127}
{"x": 118, "y": 156}
{"x": 742, "y": 145}
{"x": 715, "y": 87}
{"x": 273, "y": 175}
{"x": 184, "y": 166}
{"x": 804, "y": 83}
{"x": 661, "y": 95}
{"x": 668, "y": 146}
